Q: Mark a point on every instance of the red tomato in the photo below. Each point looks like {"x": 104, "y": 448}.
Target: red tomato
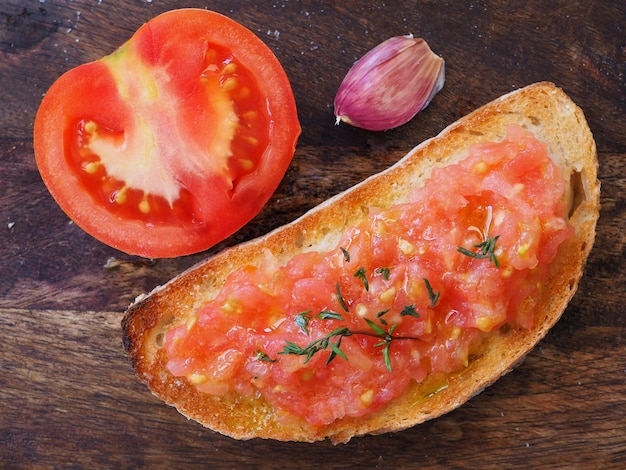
{"x": 174, "y": 141}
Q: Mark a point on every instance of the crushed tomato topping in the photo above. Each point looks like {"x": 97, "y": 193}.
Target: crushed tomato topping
{"x": 409, "y": 291}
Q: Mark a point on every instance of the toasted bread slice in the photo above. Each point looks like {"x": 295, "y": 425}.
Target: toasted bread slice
{"x": 543, "y": 109}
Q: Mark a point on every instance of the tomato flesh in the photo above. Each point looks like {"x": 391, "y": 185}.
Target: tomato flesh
{"x": 401, "y": 269}
{"x": 172, "y": 142}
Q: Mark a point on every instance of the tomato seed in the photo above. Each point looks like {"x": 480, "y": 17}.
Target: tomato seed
{"x": 244, "y": 93}
{"x": 231, "y": 67}
{"x": 250, "y": 115}
{"x": 230, "y": 84}
{"x": 120, "y": 196}
{"x": 246, "y": 164}
{"x": 144, "y": 206}
{"x": 91, "y": 167}
{"x": 91, "y": 127}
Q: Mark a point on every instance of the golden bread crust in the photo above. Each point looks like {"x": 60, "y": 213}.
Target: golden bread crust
{"x": 542, "y": 108}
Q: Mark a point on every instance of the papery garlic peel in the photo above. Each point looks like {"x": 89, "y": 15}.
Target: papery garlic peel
{"x": 390, "y": 84}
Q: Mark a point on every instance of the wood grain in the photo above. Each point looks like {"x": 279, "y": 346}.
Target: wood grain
{"x": 68, "y": 397}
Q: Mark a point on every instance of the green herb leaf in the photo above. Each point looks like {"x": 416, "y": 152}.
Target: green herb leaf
{"x": 291, "y": 348}
{"x": 377, "y": 329}
{"x": 319, "y": 345}
{"x": 380, "y": 318}
{"x": 262, "y": 356}
{"x": 302, "y": 320}
{"x": 342, "y": 302}
{"x": 361, "y": 275}
{"x": 384, "y": 272}
{"x": 386, "y": 356}
{"x": 336, "y": 351}
{"x": 486, "y": 249}
{"x": 380, "y": 314}
{"x": 346, "y": 255}
{"x": 409, "y": 310}
{"x": 388, "y": 338}
{"x": 434, "y": 297}
{"x": 329, "y": 315}
{"x": 332, "y": 341}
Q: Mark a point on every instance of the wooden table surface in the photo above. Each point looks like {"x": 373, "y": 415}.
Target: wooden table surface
{"x": 68, "y": 396}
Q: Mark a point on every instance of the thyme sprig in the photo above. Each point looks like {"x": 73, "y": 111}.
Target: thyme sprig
{"x": 485, "y": 249}
{"x": 326, "y": 342}
{"x": 360, "y": 273}
{"x": 384, "y": 272}
{"x": 387, "y": 337}
{"x": 433, "y": 296}
{"x": 409, "y": 310}
{"x": 340, "y": 298}
{"x": 329, "y": 315}
{"x": 302, "y": 319}
{"x": 379, "y": 317}
{"x": 321, "y": 344}
{"x": 380, "y": 328}
{"x": 264, "y": 357}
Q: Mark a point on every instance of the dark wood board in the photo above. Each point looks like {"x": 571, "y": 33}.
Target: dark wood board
{"x": 68, "y": 396}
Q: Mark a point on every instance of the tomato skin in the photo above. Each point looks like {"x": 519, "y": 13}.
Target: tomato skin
{"x": 153, "y": 151}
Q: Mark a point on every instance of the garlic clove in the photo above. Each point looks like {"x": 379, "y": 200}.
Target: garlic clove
{"x": 390, "y": 84}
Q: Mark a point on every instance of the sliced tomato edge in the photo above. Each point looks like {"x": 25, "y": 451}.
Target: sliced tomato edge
{"x": 164, "y": 241}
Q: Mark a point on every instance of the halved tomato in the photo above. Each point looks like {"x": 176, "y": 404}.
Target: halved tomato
{"x": 174, "y": 141}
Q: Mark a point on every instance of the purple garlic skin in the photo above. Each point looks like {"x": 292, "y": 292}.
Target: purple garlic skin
{"x": 390, "y": 84}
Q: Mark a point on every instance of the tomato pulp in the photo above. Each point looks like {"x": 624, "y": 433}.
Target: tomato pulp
{"x": 174, "y": 141}
{"x": 410, "y": 291}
